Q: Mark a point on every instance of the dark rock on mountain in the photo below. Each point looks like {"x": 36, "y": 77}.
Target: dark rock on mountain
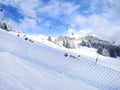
{"x": 99, "y": 50}
{"x": 117, "y": 49}
{"x": 112, "y": 51}
{"x": 94, "y": 42}
{"x": 85, "y": 43}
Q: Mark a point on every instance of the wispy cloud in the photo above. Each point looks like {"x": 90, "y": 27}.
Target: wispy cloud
{"x": 98, "y": 16}
{"x": 102, "y": 18}
{"x": 56, "y": 9}
{"x": 25, "y": 7}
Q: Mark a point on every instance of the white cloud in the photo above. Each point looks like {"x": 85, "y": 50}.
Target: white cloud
{"x": 1, "y": 15}
{"x": 28, "y": 23}
{"x": 29, "y": 9}
{"x": 103, "y": 15}
{"x": 38, "y": 37}
{"x": 107, "y": 24}
{"x": 57, "y": 8}
{"x": 101, "y": 26}
{"x": 25, "y": 7}
{"x": 103, "y": 23}
{"x": 77, "y": 20}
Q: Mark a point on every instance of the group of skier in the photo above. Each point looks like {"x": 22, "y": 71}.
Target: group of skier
{"x": 77, "y": 57}
{"x": 25, "y": 37}
{"x": 71, "y": 56}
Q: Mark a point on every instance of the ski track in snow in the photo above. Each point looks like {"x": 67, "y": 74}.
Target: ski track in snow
{"x": 43, "y": 55}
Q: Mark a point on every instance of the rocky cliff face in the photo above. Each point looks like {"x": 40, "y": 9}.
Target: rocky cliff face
{"x": 65, "y": 41}
{"x": 103, "y": 47}
{"x": 5, "y": 26}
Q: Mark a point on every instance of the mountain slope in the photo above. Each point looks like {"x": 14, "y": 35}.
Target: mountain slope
{"x": 17, "y": 73}
{"x": 42, "y": 55}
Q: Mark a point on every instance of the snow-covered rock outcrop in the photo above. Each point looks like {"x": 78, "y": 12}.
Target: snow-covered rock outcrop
{"x": 65, "y": 41}
{"x": 5, "y": 26}
{"x": 103, "y": 47}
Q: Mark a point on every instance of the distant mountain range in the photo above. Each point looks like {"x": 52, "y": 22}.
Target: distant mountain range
{"x": 103, "y": 47}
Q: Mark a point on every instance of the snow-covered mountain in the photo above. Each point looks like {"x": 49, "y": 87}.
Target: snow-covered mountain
{"x": 31, "y": 65}
{"x": 21, "y": 69}
{"x": 103, "y": 47}
{"x": 5, "y": 25}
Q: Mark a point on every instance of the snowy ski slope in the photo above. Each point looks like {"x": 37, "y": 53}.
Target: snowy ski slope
{"x": 19, "y": 74}
{"x": 81, "y": 69}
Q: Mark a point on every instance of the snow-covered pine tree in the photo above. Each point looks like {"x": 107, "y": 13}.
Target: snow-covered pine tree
{"x": 49, "y": 38}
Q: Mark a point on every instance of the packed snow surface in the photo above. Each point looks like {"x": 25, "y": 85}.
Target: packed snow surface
{"x": 26, "y": 64}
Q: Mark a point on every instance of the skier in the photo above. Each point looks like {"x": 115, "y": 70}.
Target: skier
{"x": 18, "y": 35}
{"x": 78, "y": 56}
{"x": 19, "y": 31}
{"x": 66, "y": 54}
{"x": 26, "y": 38}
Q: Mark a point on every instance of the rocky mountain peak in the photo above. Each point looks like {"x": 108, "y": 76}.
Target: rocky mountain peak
{"x": 103, "y": 47}
{"x": 5, "y": 26}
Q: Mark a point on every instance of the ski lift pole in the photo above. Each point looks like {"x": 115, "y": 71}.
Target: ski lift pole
{"x": 96, "y": 59}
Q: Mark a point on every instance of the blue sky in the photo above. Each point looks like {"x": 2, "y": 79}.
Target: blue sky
{"x": 54, "y": 17}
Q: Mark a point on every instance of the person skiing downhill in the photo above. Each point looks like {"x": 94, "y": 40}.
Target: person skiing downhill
{"x": 18, "y": 35}
{"x": 26, "y": 38}
{"x": 19, "y": 31}
{"x": 66, "y": 54}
